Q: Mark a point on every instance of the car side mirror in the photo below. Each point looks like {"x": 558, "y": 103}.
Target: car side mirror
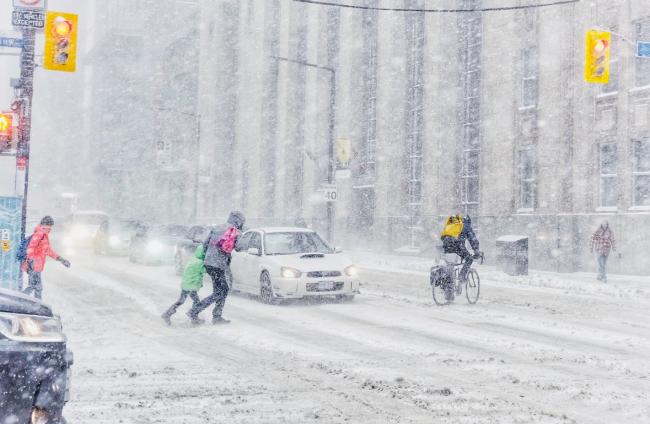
{"x": 254, "y": 251}
{"x": 338, "y": 249}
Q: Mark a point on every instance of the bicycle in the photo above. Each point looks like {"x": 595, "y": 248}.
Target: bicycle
{"x": 446, "y": 284}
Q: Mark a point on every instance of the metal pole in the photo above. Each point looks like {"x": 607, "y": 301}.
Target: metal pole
{"x": 331, "y": 169}
{"x": 27, "y": 90}
{"x": 198, "y": 168}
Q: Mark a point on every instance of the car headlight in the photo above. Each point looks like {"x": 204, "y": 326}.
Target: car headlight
{"x": 155, "y": 246}
{"x": 290, "y": 272}
{"x": 31, "y": 328}
{"x": 351, "y": 271}
{"x": 114, "y": 241}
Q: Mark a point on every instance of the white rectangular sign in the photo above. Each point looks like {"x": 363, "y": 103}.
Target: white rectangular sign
{"x": 30, "y": 4}
{"x": 331, "y": 194}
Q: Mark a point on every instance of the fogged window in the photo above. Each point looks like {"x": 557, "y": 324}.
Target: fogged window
{"x": 527, "y": 179}
{"x": 641, "y": 173}
{"x": 529, "y": 77}
{"x": 642, "y": 64}
{"x": 608, "y": 177}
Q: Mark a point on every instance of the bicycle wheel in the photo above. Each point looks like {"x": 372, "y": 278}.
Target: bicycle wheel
{"x": 440, "y": 294}
{"x": 473, "y": 286}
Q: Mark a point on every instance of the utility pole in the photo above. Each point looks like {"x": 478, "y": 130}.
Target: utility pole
{"x": 25, "y": 99}
{"x": 331, "y": 167}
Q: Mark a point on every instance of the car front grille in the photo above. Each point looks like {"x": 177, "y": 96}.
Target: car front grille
{"x": 321, "y": 274}
{"x": 314, "y": 287}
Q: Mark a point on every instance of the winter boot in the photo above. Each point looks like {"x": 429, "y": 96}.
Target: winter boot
{"x": 167, "y": 318}
{"x": 220, "y": 320}
{"x": 194, "y": 319}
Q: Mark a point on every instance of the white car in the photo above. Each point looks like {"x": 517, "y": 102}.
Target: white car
{"x": 290, "y": 263}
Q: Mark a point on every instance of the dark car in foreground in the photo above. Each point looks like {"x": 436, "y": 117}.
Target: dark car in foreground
{"x": 34, "y": 362}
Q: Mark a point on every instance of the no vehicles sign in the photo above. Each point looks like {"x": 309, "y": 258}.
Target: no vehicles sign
{"x": 30, "y": 4}
{"x": 28, "y": 18}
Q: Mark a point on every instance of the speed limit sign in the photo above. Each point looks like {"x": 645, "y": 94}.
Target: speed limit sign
{"x": 331, "y": 194}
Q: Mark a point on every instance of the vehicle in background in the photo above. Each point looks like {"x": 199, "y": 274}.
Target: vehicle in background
{"x": 114, "y": 237}
{"x": 79, "y": 229}
{"x": 186, "y": 246}
{"x": 155, "y": 244}
{"x": 289, "y": 263}
{"x": 35, "y": 362}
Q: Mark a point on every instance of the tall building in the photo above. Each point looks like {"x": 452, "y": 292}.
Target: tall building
{"x": 480, "y": 113}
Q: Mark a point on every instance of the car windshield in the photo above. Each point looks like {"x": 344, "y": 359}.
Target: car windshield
{"x": 291, "y": 243}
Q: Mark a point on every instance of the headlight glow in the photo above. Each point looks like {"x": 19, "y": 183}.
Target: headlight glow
{"x": 114, "y": 241}
{"x": 290, "y": 272}
{"x": 155, "y": 246}
{"x": 31, "y": 328}
{"x": 351, "y": 271}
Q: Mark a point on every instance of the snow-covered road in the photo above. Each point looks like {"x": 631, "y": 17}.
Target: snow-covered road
{"x": 541, "y": 349}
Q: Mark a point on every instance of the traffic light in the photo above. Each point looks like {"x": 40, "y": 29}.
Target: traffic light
{"x": 60, "y": 42}
{"x": 598, "y": 48}
{"x": 6, "y": 129}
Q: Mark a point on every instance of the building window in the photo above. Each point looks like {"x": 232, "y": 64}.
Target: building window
{"x": 641, "y": 173}
{"x": 527, "y": 179}
{"x": 608, "y": 177}
{"x": 642, "y": 64}
{"x": 529, "y": 77}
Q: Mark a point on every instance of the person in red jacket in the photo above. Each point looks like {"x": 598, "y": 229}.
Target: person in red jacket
{"x": 38, "y": 250}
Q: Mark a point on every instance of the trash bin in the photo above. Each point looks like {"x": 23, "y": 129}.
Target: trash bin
{"x": 512, "y": 256}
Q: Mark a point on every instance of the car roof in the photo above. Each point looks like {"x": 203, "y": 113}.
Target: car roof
{"x": 269, "y": 230}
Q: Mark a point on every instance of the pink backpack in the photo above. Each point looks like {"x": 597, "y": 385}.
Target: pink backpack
{"x": 228, "y": 240}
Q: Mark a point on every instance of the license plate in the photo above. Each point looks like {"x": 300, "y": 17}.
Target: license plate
{"x": 325, "y": 285}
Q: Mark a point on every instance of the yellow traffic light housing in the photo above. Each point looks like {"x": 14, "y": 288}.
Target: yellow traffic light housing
{"x": 60, "y": 42}
{"x": 598, "y": 48}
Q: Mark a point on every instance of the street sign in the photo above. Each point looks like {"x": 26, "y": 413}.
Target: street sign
{"x": 331, "y": 194}
{"x": 643, "y": 49}
{"x": 6, "y": 240}
{"x": 30, "y": 4}
{"x": 28, "y": 18}
{"x": 11, "y": 42}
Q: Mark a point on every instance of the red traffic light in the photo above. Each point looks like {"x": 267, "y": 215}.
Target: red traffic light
{"x": 6, "y": 124}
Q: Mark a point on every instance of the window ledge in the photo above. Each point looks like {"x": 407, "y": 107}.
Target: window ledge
{"x": 640, "y": 208}
{"x": 525, "y": 210}
{"x": 640, "y": 89}
{"x": 608, "y": 94}
{"x": 607, "y": 209}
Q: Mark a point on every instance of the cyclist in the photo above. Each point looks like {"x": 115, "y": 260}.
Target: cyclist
{"x": 458, "y": 229}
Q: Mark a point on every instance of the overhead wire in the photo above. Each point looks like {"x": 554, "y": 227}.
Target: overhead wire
{"x": 485, "y": 9}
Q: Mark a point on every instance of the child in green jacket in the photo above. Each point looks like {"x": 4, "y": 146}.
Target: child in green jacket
{"x": 190, "y": 285}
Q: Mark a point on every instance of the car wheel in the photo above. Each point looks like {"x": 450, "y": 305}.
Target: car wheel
{"x": 345, "y": 298}
{"x": 178, "y": 263}
{"x": 266, "y": 290}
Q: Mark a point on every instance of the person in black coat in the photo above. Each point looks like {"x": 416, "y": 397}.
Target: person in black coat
{"x": 454, "y": 242}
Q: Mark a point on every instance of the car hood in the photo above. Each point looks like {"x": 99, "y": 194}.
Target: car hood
{"x": 18, "y": 303}
{"x": 308, "y": 262}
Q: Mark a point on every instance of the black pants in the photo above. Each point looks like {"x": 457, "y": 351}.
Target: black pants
{"x": 458, "y": 247}
{"x": 219, "y": 293}
{"x": 34, "y": 283}
{"x": 184, "y": 293}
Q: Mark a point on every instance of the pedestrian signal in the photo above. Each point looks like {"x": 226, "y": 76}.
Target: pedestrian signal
{"x": 60, "y": 42}
{"x": 6, "y": 125}
{"x": 598, "y": 49}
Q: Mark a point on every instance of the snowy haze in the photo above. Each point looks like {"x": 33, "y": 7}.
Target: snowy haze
{"x": 182, "y": 111}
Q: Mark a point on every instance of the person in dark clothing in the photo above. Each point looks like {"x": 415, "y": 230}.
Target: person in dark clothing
{"x": 218, "y": 247}
{"x": 457, "y": 230}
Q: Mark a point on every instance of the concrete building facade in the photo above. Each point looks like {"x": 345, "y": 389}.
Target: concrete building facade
{"x": 482, "y": 113}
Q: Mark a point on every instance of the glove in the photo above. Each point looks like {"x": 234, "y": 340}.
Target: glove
{"x": 65, "y": 262}
{"x": 477, "y": 255}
